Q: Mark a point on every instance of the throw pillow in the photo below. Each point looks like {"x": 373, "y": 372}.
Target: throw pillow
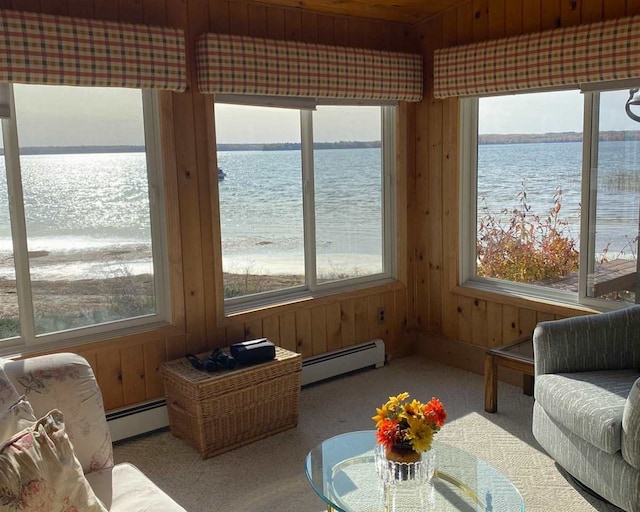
{"x": 39, "y": 471}
{"x": 8, "y": 393}
{"x": 17, "y": 418}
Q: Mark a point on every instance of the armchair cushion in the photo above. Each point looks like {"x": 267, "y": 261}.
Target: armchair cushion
{"x": 17, "y": 418}
{"x": 38, "y": 471}
{"x": 124, "y": 488}
{"x": 631, "y": 427}
{"x": 589, "y": 404}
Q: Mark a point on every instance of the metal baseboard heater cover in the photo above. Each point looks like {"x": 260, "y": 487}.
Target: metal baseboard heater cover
{"x": 345, "y": 360}
{"x": 149, "y": 416}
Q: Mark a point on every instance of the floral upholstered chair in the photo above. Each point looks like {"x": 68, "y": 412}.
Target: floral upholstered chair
{"x": 70, "y": 444}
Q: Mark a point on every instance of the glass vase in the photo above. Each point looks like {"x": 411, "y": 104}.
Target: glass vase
{"x": 393, "y": 470}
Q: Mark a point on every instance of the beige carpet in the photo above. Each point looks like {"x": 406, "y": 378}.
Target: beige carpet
{"x": 269, "y": 475}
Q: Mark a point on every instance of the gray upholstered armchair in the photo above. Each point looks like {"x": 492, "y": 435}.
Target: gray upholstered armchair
{"x": 587, "y": 400}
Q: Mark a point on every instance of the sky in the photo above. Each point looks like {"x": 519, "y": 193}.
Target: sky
{"x": 238, "y": 124}
{"x": 78, "y": 116}
{"x": 70, "y": 116}
{"x": 560, "y": 111}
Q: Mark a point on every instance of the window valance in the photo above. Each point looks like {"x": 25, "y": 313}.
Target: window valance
{"x": 248, "y": 65}
{"x": 39, "y": 48}
{"x": 569, "y": 56}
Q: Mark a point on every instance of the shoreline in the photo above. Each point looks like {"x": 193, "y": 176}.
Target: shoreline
{"x": 64, "y": 297}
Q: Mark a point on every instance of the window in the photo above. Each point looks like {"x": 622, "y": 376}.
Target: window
{"x": 81, "y": 239}
{"x": 551, "y": 195}
{"x": 305, "y": 198}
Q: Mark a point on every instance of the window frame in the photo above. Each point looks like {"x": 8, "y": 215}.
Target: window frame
{"x": 311, "y": 287}
{"x": 28, "y": 339}
{"x": 468, "y": 197}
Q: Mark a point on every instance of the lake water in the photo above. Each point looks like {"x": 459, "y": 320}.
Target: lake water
{"x": 546, "y": 167}
{"x": 89, "y": 209}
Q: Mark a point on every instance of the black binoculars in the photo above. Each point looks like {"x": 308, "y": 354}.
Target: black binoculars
{"x": 217, "y": 360}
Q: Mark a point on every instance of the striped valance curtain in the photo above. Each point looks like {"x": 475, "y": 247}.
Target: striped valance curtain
{"x": 603, "y": 51}
{"x": 249, "y": 65}
{"x": 39, "y": 48}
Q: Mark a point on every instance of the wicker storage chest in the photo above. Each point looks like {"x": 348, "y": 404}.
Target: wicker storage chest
{"x": 217, "y": 412}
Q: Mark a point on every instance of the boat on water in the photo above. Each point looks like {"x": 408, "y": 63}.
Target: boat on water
{"x": 221, "y": 174}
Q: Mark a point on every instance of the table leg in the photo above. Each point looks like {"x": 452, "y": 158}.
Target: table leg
{"x": 490, "y": 384}
{"x": 527, "y": 384}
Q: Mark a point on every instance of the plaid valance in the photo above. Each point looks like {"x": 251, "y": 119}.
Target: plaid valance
{"x": 608, "y": 50}
{"x": 249, "y": 65}
{"x": 44, "y": 49}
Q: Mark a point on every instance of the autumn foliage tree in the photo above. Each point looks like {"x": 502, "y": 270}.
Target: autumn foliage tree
{"x": 520, "y": 246}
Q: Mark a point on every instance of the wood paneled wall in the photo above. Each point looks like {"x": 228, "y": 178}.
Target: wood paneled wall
{"x": 456, "y": 324}
{"x": 127, "y": 366}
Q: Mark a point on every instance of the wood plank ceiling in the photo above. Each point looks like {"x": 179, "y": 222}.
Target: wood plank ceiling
{"x": 404, "y": 11}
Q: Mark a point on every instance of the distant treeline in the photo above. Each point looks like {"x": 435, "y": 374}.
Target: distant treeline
{"x": 489, "y": 138}
{"x": 524, "y": 138}
{"x": 285, "y": 146}
{"x": 66, "y": 150}
{"x": 289, "y": 146}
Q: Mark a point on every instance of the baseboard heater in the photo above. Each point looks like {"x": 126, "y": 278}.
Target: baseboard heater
{"x": 140, "y": 419}
{"x": 345, "y": 360}
{"x": 149, "y": 416}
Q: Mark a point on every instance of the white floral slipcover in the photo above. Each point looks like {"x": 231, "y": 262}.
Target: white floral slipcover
{"x": 8, "y": 393}
{"x": 66, "y": 382}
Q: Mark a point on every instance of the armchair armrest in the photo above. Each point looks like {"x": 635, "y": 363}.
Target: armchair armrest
{"x": 631, "y": 427}
{"x": 606, "y": 341}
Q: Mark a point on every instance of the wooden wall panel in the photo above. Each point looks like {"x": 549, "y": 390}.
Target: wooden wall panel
{"x": 531, "y": 17}
{"x": 288, "y": 338}
{"x": 633, "y": 7}
{"x": 472, "y": 319}
{"x": 334, "y": 327}
{"x": 109, "y": 374}
{"x": 348, "y": 323}
{"x": 319, "y": 330}
{"x": 133, "y": 374}
{"x": 496, "y": 16}
{"x": 513, "y": 19}
{"x": 304, "y": 337}
{"x": 154, "y": 356}
{"x": 550, "y": 14}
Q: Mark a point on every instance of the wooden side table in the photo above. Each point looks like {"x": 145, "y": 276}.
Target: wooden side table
{"x": 517, "y": 356}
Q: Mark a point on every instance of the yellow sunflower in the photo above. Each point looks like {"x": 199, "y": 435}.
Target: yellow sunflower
{"x": 381, "y": 415}
{"x": 420, "y": 434}
{"x": 394, "y": 401}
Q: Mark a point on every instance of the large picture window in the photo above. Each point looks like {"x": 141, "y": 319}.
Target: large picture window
{"x": 551, "y": 195}
{"x": 305, "y": 198}
{"x": 81, "y": 222}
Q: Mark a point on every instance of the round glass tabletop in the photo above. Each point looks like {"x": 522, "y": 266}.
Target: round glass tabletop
{"x": 342, "y": 472}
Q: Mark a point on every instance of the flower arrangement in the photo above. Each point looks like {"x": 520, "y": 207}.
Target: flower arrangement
{"x": 408, "y": 425}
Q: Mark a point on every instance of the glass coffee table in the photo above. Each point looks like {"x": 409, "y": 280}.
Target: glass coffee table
{"x": 342, "y": 472}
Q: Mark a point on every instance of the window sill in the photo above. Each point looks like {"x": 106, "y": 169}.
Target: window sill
{"x": 512, "y": 298}
{"x": 95, "y": 341}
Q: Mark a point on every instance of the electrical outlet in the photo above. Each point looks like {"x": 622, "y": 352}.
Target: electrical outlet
{"x": 381, "y": 315}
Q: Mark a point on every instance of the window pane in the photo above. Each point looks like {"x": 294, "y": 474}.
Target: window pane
{"x": 86, "y": 200}
{"x": 348, "y": 192}
{"x": 260, "y": 198}
{"x": 9, "y": 314}
{"x": 616, "y": 189}
{"x": 528, "y": 188}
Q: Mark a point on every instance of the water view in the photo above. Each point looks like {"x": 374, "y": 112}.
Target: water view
{"x": 82, "y": 206}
